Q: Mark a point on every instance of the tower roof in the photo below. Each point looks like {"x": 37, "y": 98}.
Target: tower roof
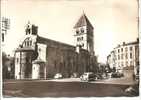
{"x": 83, "y": 21}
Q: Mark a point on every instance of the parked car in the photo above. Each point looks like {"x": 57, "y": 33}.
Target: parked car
{"x": 117, "y": 75}
{"x": 133, "y": 90}
{"x": 99, "y": 76}
{"x": 58, "y": 76}
{"x": 89, "y": 76}
{"x": 74, "y": 75}
{"x": 137, "y": 77}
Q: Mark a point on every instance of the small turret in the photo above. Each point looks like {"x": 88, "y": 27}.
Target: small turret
{"x": 31, "y": 29}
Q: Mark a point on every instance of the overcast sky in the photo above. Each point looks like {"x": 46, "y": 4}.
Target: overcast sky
{"x": 114, "y": 21}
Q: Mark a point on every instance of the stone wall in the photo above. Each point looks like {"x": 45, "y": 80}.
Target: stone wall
{"x": 63, "y": 58}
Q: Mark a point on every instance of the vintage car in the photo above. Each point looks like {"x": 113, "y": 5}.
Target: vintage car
{"x": 89, "y": 76}
{"x": 117, "y": 75}
{"x": 58, "y": 76}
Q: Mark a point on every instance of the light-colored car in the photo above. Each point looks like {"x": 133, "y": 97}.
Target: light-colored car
{"x": 88, "y": 76}
{"x": 58, "y": 76}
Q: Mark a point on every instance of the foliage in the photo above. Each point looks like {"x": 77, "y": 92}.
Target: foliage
{"x": 7, "y": 63}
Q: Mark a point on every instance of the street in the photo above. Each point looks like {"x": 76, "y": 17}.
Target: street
{"x": 71, "y": 87}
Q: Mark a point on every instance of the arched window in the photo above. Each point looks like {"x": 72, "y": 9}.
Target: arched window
{"x": 126, "y": 49}
{"x": 130, "y": 48}
{"x": 2, "y": 37}
{"x": 27, "y": 30}
{"x": 78, "y": 39}
{"x": 82, "y": 30}
{"x": 27, "y": 42}
{"x": 77, "y": 31}
{"x": 30, "y": 42}
{"x": 131, "y": 56}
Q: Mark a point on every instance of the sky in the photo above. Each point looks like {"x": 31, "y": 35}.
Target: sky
{"x": 114, "y": 21}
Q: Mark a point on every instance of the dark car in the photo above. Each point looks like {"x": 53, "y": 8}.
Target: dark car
{"x": 89, "y": 76}
{"x": 117, "y": 75}
{"x": 133, "y": 90}
{"x": 99, "y": 76}
{"x": 137, "y": 77}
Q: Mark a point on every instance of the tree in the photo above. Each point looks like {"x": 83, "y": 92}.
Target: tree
{"x": 7, "y": 66}
{"x": 4, "y": 69}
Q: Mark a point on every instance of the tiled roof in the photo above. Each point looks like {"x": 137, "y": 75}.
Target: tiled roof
{"x": 50, "y": 41}
{"x": 83, "y": 21}
{"x": 24, "y": 49}
{"x": 53, "y": 43}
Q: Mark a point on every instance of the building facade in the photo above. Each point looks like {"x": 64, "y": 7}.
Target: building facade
{"x": 7, "y": 61}
{"x": 41, "y": 58}
{"x": 5, "y": 26}
{"x": 125, "y": 57}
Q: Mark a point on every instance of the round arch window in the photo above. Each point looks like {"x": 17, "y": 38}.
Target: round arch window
{"x": 77, "y": 31}
{"x": 82, "y": 30}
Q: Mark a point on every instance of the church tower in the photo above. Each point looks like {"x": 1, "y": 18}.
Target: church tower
{"x": 84, "y": 34}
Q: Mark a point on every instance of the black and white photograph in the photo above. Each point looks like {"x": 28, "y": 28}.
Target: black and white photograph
{"x": 70, "y": 48}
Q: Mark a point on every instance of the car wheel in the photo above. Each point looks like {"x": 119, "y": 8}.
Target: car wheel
{"x": 81, "y": 79}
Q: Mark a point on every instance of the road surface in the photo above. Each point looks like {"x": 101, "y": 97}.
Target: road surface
{"x": 65, "y": 88}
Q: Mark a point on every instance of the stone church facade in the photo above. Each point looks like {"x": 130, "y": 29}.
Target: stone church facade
{"x": 41, "y": 58}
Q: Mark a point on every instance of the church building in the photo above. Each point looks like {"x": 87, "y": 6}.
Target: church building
{"x": 41, "y": 58}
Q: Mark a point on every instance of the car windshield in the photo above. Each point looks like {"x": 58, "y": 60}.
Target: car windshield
{"x": 91, "y": 75}
{"x": 58, "y": 74}
{"x": 85, "y": 74}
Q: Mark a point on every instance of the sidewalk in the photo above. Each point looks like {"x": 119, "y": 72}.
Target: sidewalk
{"x": 122, "y": 81}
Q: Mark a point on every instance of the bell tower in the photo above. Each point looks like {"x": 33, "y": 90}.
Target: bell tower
{"x": 84, "y": 34}
{"x": 31, "y": 29}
